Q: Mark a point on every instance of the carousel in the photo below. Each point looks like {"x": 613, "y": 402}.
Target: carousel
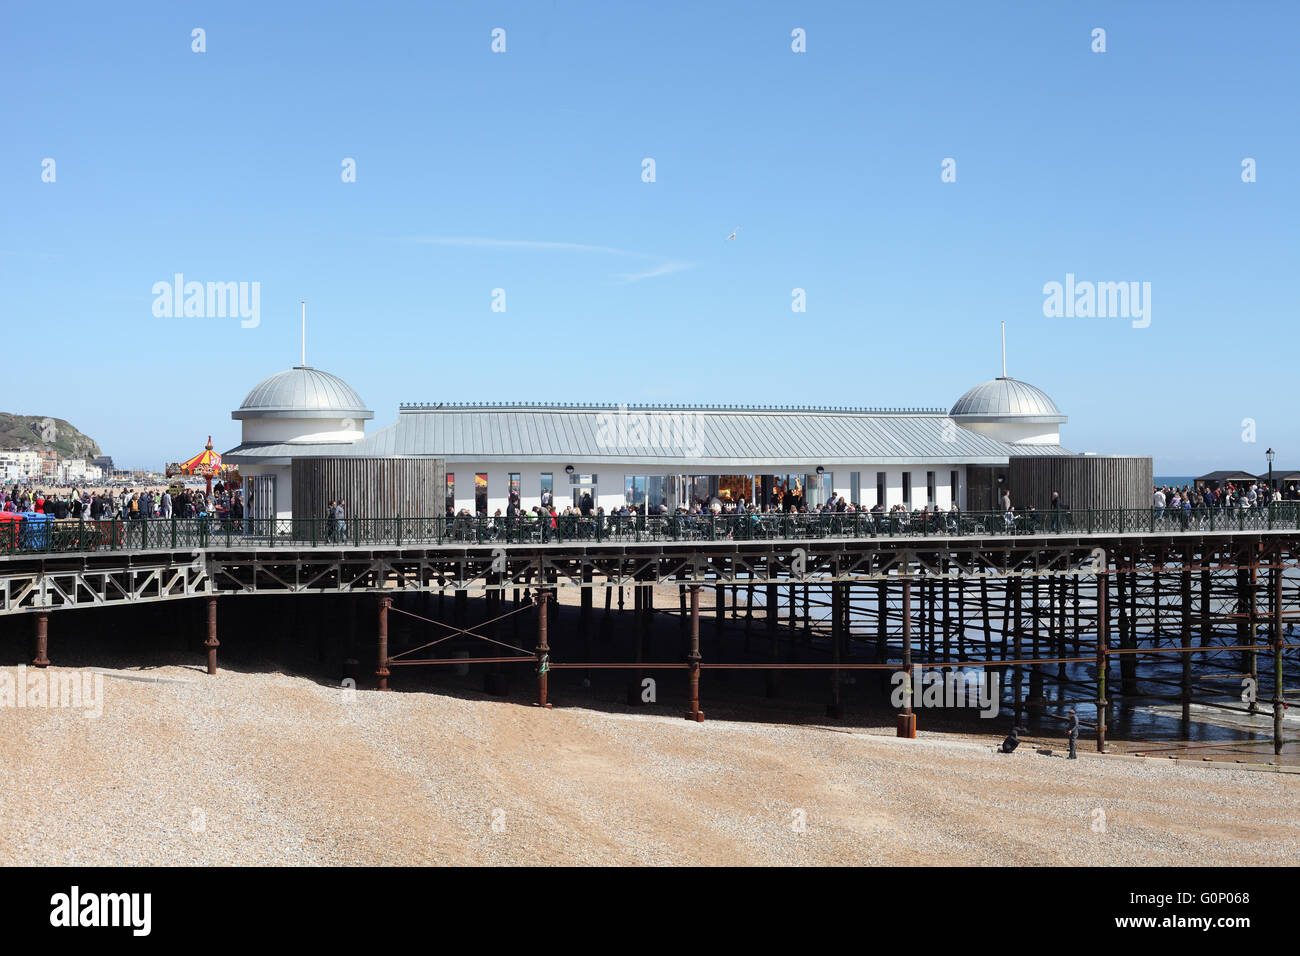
{"x": 206, "y": 465}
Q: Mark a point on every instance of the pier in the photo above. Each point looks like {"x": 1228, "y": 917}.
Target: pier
{"x": 1071, "y": 617}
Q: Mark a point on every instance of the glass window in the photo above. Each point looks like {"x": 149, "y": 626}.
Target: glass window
{"x": 880, "y": 488}
{"x": 513, "y": 486}
{"x": 548, "y": 487}
{"x": 451, "y": 492}
{"x": 952, "y": 486}
{"x": 634, "y": 487}
{"x": 733, "y": 488}
{"x": 480, "y": 493}
{"x": 657, "y": 491}
{"x": 855, "y": 487}
{"x": 907, "y": 489}
{"x": 929, "y": 487}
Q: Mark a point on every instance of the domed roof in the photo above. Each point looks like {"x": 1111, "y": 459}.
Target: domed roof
{"x": 303, "y": 392}
{"x": 1006, "y": 399}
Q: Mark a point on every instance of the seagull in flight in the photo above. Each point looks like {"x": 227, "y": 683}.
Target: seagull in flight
{"x": 733, "y": 234}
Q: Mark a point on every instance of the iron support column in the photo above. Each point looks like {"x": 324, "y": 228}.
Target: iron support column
{"x": 41, "y": 625}
{"x": 543, "y": 649}
{"x": 212, "y": 643}
{"x": 693, "y": 711}
{"x": 381, "y": 671}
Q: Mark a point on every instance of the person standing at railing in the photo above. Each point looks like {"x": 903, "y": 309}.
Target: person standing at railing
{"x": 1158, "y": 503}
{"x": 1057, "y": 507}
{"x": 166, "y": 502}
{"x": 340, "y": 520}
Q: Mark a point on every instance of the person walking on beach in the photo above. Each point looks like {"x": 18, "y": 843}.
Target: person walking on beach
{"x": 1072, "y": 731}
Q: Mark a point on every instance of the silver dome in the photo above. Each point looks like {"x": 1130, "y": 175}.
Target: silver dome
{"x": 1006, "y": 399}
{"x": 303, "y": 392}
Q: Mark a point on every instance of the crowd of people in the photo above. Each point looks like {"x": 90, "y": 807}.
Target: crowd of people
{"x": 1253, "y": 498}
{"x": 125, "y": 504}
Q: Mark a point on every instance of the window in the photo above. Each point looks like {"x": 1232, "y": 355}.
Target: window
{"x": 634, "y": 487}
{"x": 582, "y": 486}
{"x": 880, "y": 488}
{"x": 929, "y": 487}
{"x": 855, "y": 487}
{"x": 657, "y": 491}
{"x": 952, "y": 486}
{"x": 907, "y": 490}
{"x": 548, "y": 487}
{"x": 513, "y": 486}
{"x": 451, "y": 492}
{"x": 480, "y": 493}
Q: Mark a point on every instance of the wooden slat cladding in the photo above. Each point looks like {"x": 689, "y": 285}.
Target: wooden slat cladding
{"x": 372, "y": 487}
{"x": 1092, "y": 482}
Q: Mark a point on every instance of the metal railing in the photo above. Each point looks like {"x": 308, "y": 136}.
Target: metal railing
{"x": 42, "y": 535}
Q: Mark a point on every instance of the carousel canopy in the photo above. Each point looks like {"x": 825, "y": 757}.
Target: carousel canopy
{"x": 206, "y": 463}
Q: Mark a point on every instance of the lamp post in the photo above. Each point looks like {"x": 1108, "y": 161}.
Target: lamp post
{"x": 1269, "y": 455}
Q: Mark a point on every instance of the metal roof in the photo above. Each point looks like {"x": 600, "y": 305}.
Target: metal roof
{"x": 303, "y": 392}
{"x": 746, "y": 438}
{"x": 1006, "y": 399}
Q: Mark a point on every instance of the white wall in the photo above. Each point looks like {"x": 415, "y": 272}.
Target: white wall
{"x": 1024, "y": 433}
{"x": 302, "y": 429}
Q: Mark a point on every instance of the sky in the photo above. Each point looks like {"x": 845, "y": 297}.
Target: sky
{"x": 524, "y": 171}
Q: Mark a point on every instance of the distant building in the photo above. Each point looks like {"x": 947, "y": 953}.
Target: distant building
{"x": 18, "y": 464}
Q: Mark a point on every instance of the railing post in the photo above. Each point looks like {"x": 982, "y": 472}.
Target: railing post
{"x": 399, "y": 530}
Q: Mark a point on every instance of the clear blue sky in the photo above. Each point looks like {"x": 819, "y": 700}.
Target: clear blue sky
{"x": 225, "y": 166}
